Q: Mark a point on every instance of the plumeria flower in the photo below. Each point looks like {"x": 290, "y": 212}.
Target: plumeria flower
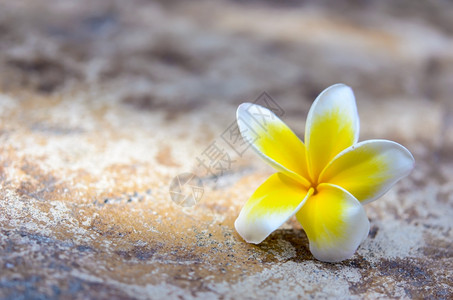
{"x": 324, "y": 181}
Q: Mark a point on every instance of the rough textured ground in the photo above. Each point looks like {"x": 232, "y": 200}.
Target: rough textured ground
{"x": 102, "y": 103}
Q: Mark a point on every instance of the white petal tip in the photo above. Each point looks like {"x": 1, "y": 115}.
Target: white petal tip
{"x": 332, "y": 258}
{"x": 252, "y": 237}
{"x": 341, "y": 88}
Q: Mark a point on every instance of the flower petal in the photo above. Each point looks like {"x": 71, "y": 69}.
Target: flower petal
{"x": 369, "y": 169}
{"x": 332, "y": 126}
{"x": 335, "y": 223}
{"x": 272, "y": 204}
{"x": 273, "y": 141}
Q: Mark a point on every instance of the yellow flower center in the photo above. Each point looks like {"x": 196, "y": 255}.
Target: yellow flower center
{"x": 314, "y": 185}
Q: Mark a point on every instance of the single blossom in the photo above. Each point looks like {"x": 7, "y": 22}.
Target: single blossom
{"x": 324, "y": 181}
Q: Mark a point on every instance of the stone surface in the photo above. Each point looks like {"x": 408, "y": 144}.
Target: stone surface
{"x": 103, "y": 103}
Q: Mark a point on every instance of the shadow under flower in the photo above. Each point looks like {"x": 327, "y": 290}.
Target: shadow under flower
{"x": 287, "y": 245}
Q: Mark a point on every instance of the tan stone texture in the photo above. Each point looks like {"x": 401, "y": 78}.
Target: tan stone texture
{"x": 103, "y": 103}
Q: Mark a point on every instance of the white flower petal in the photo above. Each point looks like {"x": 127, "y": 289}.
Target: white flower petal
{"x": 272, "y": 204}
{"x": 335, "y": 223}
{"x": 369, "y": 169}
{"x": 332, "y": 126}
{"x": 273, "y": 141}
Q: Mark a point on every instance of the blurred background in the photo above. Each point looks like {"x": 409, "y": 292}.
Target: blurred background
{"x": 103, "y": 102}
{"x": 179, "y": 56}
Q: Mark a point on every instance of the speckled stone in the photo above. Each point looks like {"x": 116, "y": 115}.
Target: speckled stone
{"x": 103, "y": 103}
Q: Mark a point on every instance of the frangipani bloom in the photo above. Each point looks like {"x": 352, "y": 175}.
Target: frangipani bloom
{"x": 325, "y": 180}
